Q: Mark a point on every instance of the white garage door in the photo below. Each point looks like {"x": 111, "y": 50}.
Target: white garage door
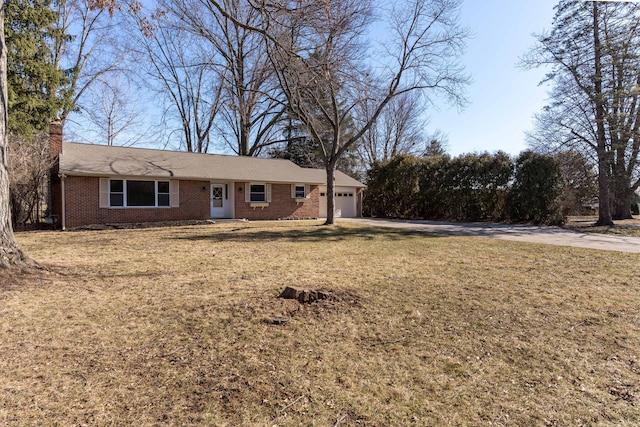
{"x": 345, "y": 200}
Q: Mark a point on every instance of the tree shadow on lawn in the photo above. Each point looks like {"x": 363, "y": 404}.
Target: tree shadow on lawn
{"x": 318, "y": 233}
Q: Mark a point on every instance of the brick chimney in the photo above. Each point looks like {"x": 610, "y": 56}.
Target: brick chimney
{"x": 55, "y": 140}
{"x": 54, "y": 196}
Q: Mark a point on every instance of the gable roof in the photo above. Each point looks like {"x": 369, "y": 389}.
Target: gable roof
{"x": 103, "y": 160}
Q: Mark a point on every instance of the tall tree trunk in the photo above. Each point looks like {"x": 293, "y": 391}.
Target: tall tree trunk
{"x": 620, "y": 187}
{"x": 604, "y": 200}
{"x": 10, "y": 252}
{"x": 622, "y": 198}
{"x": 245, "y": 133}
{"x": 331, "y": 193}
{"x": 622, "y": 207}
{"x": 604, "y": 211}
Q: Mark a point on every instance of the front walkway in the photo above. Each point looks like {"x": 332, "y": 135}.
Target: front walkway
{"x": 523, "y": 233}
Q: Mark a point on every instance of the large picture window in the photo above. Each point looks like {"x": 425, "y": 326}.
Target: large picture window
{"x": 141, "y": 193}
{"x": 138, "y": 193}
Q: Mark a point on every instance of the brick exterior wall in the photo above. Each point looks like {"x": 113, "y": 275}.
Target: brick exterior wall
{"x": 82, "y": 199}
{"x": 82, "y": 204}
{"x": 282, "y": 205}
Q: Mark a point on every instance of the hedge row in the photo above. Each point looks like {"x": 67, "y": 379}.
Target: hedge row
{"x": 471, "y": 187}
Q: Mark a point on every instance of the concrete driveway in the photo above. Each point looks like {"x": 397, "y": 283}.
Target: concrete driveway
{"x": 522, "y": 233}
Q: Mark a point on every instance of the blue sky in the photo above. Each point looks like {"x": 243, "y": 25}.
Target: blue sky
{"x": 503, "y": 98}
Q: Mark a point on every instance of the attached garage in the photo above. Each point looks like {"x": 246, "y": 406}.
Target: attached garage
{"x": 347, "y": 200}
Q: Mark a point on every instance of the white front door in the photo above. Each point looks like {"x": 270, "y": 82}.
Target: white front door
{"x": 218, "y": 201}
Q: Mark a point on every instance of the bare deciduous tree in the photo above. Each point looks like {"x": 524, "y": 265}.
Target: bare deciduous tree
{"x": 182, "y": 70}
{"x": 594, "y": 53}
{"x": 319, "y": 50}
{"x": 113, "y": 110}
{"x": 91, "y": 48}
{"x": 252, "y": 105}
{"x": 400, "y": 129}
{"x": 29, "y": 165}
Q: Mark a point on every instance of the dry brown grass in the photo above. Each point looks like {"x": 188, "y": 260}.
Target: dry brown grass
{"x": 626, "y": 227}
{"x": 171, "y": 327}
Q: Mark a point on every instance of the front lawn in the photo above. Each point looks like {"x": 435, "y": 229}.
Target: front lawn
{"x": 174, "y": 326}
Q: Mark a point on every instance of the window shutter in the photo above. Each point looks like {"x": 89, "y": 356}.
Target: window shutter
{"x": 247, "y": 192}
{"x": 174, "y": 189}
{"x": 104, "y": 192}
{"x": 268, "y": 193}
{"x": 293, "y": 191}
{"x": 307, "y": 191}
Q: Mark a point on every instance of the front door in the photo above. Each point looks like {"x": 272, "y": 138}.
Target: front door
{"x": 217, "y": 201}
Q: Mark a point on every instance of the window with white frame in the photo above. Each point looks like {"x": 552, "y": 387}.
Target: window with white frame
{"x": 138, "y": 193}
{"x": 116, "y": 192}
{"x": 258, "y": 193}
{"x": 163, "y": 193}
{"x": 299, "y": 192}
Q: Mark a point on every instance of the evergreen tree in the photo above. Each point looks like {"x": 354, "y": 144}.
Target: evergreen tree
{"x": 536, "y": 191}
{"x": 301, "y": 149}
{"x": 34, "y": 80}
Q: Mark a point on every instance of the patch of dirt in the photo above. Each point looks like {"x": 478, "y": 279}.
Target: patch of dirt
{"x": 304, "y": 296}
{"x": 311, "y": 303}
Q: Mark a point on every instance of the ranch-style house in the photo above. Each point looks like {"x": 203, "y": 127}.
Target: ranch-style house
{"x": 99, "y": 184}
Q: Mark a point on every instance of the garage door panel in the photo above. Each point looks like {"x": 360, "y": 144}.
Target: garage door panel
{"x": 345, "y": 202}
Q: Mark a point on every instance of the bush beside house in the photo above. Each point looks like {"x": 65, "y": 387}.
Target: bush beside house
{"x": 472, "y": 187}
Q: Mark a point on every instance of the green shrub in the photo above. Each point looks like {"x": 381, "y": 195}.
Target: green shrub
{"x": 537, "y": 189}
